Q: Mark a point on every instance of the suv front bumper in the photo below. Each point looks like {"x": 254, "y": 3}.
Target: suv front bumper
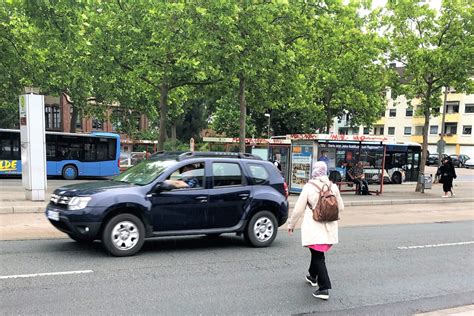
{"x": 62, "y": 220}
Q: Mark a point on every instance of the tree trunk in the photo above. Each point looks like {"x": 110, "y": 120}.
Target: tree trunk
{"x": 164, "y": 89}
{"x": 424, "y": 148}
{"x": 243, "y": 113}
{"x": 327, "y": 103}
{"x": 173, "y": 135}
{"x": 328, "y": 121}
{"x": 74, "y": 114}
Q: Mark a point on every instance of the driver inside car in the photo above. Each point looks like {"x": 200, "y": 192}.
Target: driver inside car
{"x": 187, "y": 178}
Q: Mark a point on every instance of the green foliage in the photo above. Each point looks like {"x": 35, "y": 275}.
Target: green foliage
{"x": 225, "y": 120}
{"x": 225, "y": 62}
{"x": 435, "y": 50}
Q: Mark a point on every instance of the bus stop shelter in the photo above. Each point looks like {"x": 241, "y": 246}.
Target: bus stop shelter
{"x": 340, "y": 152}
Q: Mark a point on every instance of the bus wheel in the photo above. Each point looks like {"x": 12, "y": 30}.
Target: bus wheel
{"x": 69, "y": 172}
{"x": 397, "y": 178}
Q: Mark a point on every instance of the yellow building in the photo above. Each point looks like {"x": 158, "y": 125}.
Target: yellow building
{"x": 403, "y": 122}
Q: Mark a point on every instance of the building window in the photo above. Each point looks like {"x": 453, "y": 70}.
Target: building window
{"x": 378, "y": 130}
{"x": 407, "y": 130}
{"x": 366, "y": 131}
{"x": 451, "y": 128}
{"x": 391, "y": 131}
{"x": 97, "y": 124}
{"x": 409, "y": 112}
{"x": 452, "y": 107}
{"x": 419, "y": 130}
{"x": 467, "y": 130}
{"x": 393, "y": 112}
{"x": 469, "y": 108}
{"x": 343, "y": 130}
{"x": 434, "y": 129}
{"x": 52, "y": 117}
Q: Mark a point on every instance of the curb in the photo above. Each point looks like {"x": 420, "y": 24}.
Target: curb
{"x": 41, "y": 209}
{"x": 22, "y": 209}
{"x": 409, "y": 201}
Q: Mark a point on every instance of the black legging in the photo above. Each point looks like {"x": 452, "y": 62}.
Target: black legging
{"x": 317, "y": 268}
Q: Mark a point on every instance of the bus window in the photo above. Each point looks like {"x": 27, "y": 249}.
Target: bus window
{"x": 5, "y": 148}
{"x": 90, "y": 151}
{"x": 16, "y": 153}
{"x": 51, "y": 147}
{"x": 102, "y": 149}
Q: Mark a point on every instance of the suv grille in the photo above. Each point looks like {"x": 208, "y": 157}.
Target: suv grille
{"x": 60, "y": 200}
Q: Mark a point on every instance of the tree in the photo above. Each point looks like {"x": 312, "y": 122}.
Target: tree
{"x": 150, "y": 50}
{"x": 249, "y": 50}
{"x": 62, "y": 56}
{"x": 434, "y": 50}
{"x": 342, "y": 62}
{"x": 15, "y": 61}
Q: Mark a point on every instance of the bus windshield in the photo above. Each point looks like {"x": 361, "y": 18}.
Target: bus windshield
{"x": 144, "y": 172}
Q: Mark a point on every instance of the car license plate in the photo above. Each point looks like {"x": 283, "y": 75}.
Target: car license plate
{"x": 53, "y": 215}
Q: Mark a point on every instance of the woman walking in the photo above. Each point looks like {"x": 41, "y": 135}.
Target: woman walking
{"x": 447, "y": 173}
{"x": 317, "y": 236}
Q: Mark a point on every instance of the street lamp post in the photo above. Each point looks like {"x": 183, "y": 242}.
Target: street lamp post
{"x": 268, "y": 115}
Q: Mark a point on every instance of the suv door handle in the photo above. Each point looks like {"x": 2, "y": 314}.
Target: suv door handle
{"x": 244, "y": 196}
{"x": 203, "y": 199}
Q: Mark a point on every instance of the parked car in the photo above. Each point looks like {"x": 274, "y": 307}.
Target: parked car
{"x": 469, "y": 163}
{"x": 433, "y": 159}
{"x": 174, "y": 194}
{"x": 459, "y": 160}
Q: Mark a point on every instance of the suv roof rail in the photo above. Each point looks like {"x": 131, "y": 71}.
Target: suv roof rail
{"x": 194, "y": 154}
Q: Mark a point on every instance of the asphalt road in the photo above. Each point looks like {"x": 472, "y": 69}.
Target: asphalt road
{"x": 374, "y": 270}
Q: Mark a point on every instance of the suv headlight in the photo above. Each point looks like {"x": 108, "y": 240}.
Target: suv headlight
{"x": 78, "y": 203}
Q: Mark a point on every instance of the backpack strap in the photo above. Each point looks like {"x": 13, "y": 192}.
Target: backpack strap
{"x": 314, "y": 184}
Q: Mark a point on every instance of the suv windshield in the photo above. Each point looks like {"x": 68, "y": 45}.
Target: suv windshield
{"x": 145, "y": 172}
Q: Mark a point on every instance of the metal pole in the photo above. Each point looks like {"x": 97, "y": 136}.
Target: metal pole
{"x": 441, "y": 136}
{"x": 383, "y": 166}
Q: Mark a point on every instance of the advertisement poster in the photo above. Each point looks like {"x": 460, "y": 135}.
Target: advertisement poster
{"x": 300, "y": 166}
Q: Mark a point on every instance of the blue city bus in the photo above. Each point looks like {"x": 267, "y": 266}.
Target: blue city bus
{"x": 67, "y": 154}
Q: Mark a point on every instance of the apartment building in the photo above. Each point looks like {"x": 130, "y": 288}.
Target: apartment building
{"x": 401, "y": 121}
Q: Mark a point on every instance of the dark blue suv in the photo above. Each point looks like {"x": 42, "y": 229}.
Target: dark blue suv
{"x": 174, "y": 194}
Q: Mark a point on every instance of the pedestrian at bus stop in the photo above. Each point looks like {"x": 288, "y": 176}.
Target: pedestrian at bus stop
{"x": 317, "y": 236}
{"x": 447, "y": 173}
{"x": 356, "y": 174}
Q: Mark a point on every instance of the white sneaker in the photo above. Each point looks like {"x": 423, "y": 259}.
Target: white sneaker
{"x": 444, "y": 196}
{"x": 453, "y": 195}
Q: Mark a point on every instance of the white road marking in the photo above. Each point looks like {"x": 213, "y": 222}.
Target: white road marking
{"x": 438, "y": 245}
{"x": 43, "y": 274}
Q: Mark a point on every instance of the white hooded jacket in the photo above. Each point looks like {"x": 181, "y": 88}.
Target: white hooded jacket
{"x": 313, "y": 232}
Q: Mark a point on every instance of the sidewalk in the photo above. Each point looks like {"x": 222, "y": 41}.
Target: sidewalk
{"x": 12, "y": 200}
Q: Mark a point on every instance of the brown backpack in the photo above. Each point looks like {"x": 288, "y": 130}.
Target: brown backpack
{"x": 326, "y": 209}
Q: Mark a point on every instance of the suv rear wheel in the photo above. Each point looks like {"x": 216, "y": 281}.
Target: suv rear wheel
{"x": 123, "y": 235}
{"x": 261, "y": 229}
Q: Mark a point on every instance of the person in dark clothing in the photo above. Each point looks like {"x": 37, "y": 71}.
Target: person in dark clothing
{"x": 356, "y": 174}
{"x": 447, "y": 173}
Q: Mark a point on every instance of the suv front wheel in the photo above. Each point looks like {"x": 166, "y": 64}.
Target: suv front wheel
{"x": 261, "y": 229}
{"x": 123, "y": 235}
